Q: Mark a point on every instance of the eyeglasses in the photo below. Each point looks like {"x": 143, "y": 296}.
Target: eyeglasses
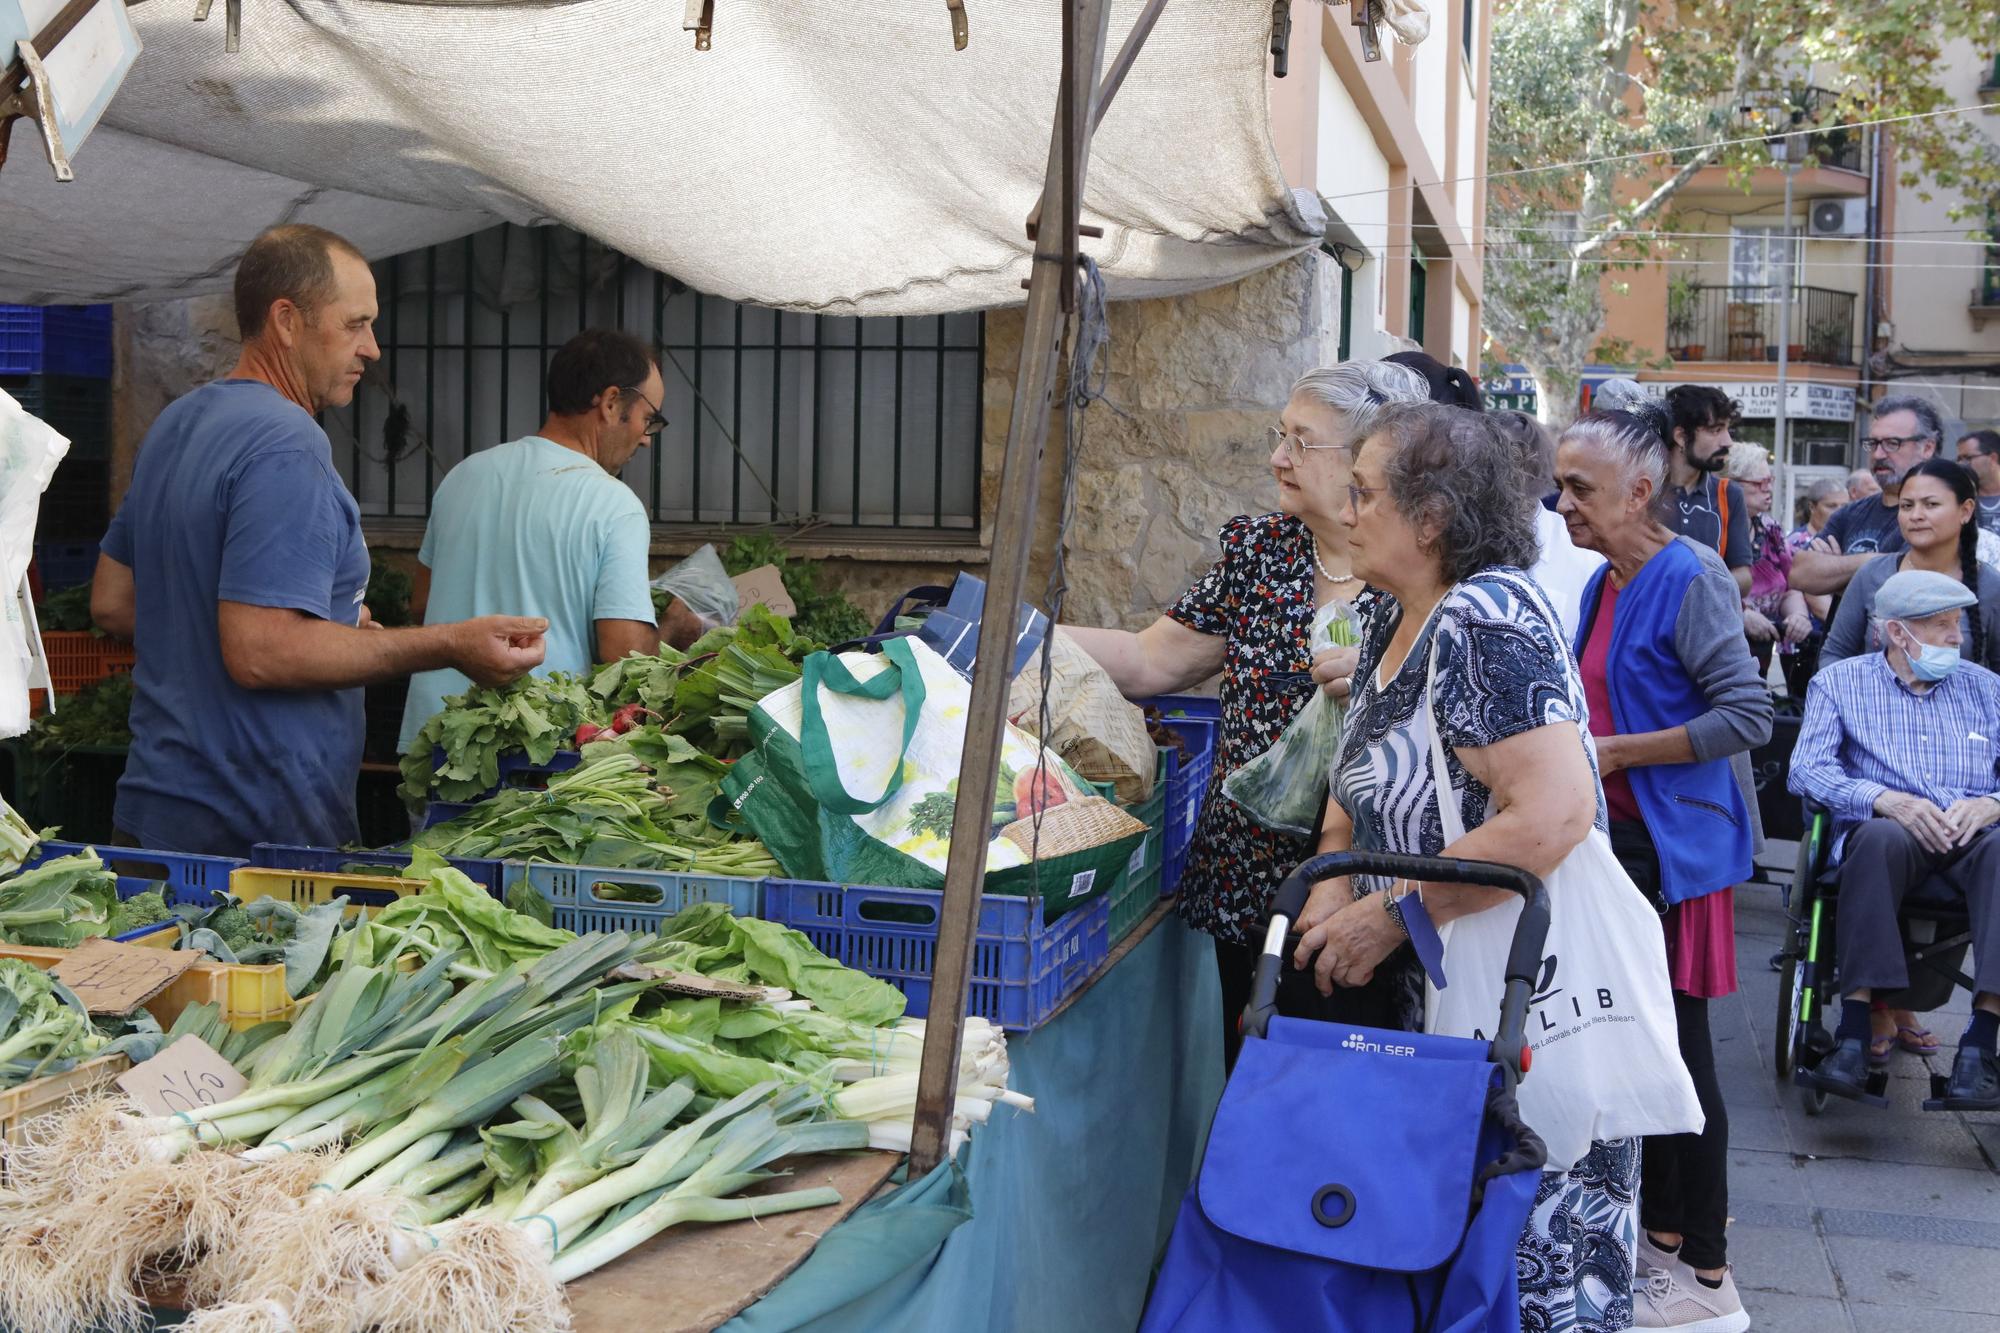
{"x": 1889, "y": 444}
{"x": 1295, "y": 447}
{"x": 1355, "y": 494}
{"x": 656, "y": 420}
{"x": 1760, "y": 484}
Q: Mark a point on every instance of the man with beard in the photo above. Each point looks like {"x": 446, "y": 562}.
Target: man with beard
{"x": 1903, "y": 431}
{"x": 1701, "y": 505}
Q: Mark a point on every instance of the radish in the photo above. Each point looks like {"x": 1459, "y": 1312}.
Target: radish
{"x": 586, "y": 732}
{"x": 628, "y": 717}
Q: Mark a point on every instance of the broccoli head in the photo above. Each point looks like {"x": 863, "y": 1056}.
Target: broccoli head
{"x": 235, "y": 927}
{"x": 141, "y": 910}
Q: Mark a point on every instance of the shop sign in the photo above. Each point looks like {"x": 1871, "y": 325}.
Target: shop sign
{"x": 1804, "y": 400}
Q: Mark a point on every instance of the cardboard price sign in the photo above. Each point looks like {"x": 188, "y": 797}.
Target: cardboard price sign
{"x": 765, "y": 584}
{"x": 185, "y": 1076}
{"x": 113, "y": 978}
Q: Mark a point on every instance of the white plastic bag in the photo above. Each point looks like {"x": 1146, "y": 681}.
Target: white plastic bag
{"x": 1607, "y": 1061}
{"x": 1285, "y": 787}
{"x": 30, "y": 448}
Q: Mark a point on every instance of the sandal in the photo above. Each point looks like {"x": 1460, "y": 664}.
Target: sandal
{"x": 1880, "y": 1048}
{"x": 1917, "y": 1041}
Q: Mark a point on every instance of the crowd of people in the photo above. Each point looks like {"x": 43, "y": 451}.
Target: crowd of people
{"x": 1584, "y": 627}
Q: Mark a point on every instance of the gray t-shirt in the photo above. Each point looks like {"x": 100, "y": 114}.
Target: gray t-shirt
{"x": 1989, "y": 513}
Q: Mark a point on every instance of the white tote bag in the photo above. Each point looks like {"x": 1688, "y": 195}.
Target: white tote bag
{"x": 1607, "y": 1062}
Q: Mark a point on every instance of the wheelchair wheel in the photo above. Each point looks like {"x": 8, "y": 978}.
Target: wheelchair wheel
{"x": 1790, "y": 981}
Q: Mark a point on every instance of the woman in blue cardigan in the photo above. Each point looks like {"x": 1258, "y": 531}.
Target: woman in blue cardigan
{"x": 1673, "y": 693}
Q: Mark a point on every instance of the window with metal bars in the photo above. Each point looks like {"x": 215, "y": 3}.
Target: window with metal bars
{"x": 774, "y": 418}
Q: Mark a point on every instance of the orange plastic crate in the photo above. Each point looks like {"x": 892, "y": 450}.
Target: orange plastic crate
{"x": 78, "y": 658}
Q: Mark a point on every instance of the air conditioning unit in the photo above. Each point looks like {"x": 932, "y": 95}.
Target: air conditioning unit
{"x": 1837, "y": 217}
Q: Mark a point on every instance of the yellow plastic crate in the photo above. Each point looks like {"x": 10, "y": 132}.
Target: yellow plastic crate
{"x": 305, "y": 888}
{"x": 20, "y": 1106}
{"x": 249, "y": 993}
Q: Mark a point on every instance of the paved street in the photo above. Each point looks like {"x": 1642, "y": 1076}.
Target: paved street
{"x": 1857, "y": 1220}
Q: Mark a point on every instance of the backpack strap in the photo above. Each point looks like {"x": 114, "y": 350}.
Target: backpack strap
{"x": 1722, "y": 512}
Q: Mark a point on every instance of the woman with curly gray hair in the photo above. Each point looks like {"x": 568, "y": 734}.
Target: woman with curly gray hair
{"x": 1440, "y": 518}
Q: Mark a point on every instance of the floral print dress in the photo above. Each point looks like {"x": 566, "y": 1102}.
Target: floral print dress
{"x": 1259, "y": 597}
{"x": 1502, "y": 669}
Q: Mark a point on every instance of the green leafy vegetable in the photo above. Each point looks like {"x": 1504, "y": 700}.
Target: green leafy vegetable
{"x": 61, "y": 902}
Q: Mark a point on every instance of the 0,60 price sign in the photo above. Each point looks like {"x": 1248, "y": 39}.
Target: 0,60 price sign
{"x": 184, "y": 1077}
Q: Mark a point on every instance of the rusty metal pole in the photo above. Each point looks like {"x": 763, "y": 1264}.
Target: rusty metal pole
{"x": 1051, "y": 288}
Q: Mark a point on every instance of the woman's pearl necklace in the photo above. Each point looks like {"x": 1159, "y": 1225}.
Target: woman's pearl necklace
{"x": 1326, "y": 573}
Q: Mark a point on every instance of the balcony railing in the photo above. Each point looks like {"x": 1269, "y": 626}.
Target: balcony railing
{"x": 1843, "y": 148}
{"x": 1740, "y": 323}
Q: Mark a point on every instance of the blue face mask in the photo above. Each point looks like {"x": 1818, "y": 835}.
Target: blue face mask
{"x": 1932, "y": 662}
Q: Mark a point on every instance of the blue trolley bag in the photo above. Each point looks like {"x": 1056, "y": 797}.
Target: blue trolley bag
{"x": 1358, "y": 1180}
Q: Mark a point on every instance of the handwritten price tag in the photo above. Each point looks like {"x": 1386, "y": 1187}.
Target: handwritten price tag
{"x": 112, "y": 978}
{"x": 186, "y": 1075}
{"x": 764, "y": 584}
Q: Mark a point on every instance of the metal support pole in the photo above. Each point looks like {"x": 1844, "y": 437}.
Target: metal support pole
{"x": 1052, "y": 286}
{"x": 1781, "y": 445}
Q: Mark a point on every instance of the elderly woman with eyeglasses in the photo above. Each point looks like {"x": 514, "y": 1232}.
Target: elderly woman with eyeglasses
{"x": 1773, "y": 611}
{"x": 1250, "y": 618}
{"x": 1440, "y": 515}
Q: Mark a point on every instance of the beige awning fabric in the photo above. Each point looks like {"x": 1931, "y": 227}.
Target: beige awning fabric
{"x": 824, "y": 155}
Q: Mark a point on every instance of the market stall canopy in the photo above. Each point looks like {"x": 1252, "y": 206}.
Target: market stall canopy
{"x": 822, "y": 156}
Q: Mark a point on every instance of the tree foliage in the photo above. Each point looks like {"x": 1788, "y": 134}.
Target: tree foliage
{"x": 1579, "y": 82}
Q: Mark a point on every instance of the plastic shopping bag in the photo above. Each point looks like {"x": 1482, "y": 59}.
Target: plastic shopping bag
{"x": 704, "y": 587}
{"x": 29, "y": 452}
{"x": 1284, "y": 787}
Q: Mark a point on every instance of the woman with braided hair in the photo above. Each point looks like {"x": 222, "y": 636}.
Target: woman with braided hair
{"x": 1938, "y": 514}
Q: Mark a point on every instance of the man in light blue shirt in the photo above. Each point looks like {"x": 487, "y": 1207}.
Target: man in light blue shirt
{"x": 543, "y": 526}
{"x": 1900, "y": 746}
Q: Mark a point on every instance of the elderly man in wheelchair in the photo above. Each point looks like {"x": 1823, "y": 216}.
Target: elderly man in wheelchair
{"x": 1899, "y": 747}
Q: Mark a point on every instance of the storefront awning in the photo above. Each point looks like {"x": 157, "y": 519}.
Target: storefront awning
{"x": 822, "y": 156}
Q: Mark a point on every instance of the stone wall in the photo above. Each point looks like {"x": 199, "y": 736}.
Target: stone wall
{"x": 1179, "y": 444}
{"x": 163, "y": 349}
{"x": 1177, "y": 447}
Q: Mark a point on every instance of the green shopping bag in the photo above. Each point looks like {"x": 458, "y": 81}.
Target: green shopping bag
{"x": 854, "y": 780}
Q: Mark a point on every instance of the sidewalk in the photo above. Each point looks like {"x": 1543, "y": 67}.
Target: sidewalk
{"x": 1857, "y": 1220}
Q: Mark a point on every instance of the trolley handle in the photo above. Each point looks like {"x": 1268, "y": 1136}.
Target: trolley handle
{"x": 1524, "y": 957}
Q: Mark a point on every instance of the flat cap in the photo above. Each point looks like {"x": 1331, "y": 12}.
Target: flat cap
{"x": 1916, "y": 593}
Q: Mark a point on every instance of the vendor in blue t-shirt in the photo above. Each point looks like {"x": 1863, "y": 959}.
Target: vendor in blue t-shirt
{"x": 543, "y": 524}
{"x": 1903, "y": 431}
{"x": 236, "y": 565}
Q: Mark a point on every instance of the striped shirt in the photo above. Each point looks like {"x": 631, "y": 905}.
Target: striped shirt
{"x": 1866, "y": 732}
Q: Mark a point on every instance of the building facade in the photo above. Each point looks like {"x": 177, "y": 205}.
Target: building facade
{"x": 1941, "y": 330}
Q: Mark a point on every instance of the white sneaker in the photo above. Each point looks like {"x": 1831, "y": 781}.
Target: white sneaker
{"x": 1671, "y": 1298}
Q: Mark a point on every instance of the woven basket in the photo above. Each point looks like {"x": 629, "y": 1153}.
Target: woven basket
{"x": 1073, "y": 826}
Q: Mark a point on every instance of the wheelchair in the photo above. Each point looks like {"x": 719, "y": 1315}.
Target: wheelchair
{"x": 1937, "y": 933}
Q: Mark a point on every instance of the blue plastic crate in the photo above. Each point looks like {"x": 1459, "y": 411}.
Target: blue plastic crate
{"x": 438, "y": 812}
{"x": 56, "y": 340}
{"x": 65, "y": 564}
{"x": 516, "y": 770}
{"x": 1197, "y": 720}
{"x": 189, "y": 878}
{"x": 486, "y": 872}
{"x": 573, "y": 892}
{"x": 1022, "y": 969}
